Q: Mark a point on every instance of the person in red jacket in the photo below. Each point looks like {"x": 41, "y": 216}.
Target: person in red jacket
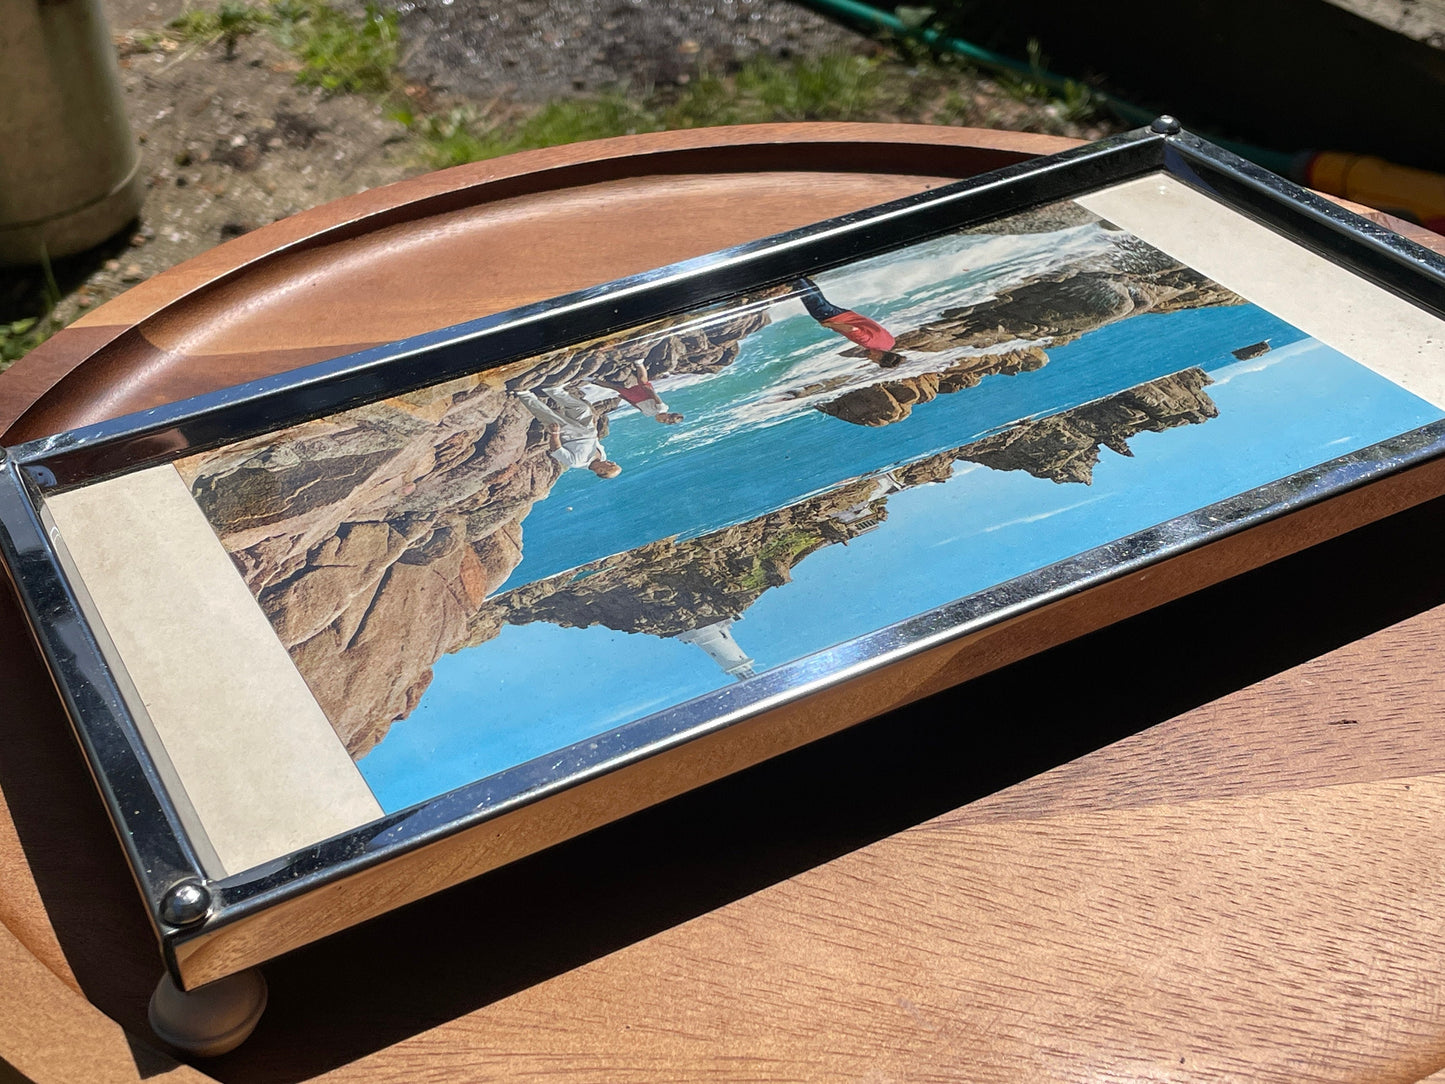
{"x": 641, "y": 395}
{"x": 873, "y": 337}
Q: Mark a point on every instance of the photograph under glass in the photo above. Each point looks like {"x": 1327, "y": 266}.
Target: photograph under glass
{"x": 473, "y": 575}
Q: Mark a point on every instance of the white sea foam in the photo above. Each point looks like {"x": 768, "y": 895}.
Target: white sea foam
{"x": 943, "y": 273}
{"x": 998, "y": 261}
{"x": 827, "y": 364}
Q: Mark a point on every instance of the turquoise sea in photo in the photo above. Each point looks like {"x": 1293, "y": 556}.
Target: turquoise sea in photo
{"x": 725, "y": 465}
{"x": 537, "y": 687}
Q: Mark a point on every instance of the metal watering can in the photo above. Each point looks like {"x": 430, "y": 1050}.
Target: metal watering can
{"x": 69, "y": 171}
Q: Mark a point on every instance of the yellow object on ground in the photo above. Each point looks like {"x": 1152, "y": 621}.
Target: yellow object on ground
{"x": 1416, "y": 194}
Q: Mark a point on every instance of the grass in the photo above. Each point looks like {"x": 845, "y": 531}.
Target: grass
{"x": 784, "y": 547}
{"x": 18, "y": 337}
{"x": 840, "y": 86}
{"x": 834, "y": 87}
{"x": 1074, "y": 102}
{"x": 462, "y": 134}
{"x": 229, "y": 23}
{"x": 787, "y": 545}
{"x": 347, "y": 54}
{"x": 340, "y": 53}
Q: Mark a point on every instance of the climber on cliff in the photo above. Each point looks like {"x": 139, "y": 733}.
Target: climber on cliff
{"x": 571, "y": 432}
{"x": 641, "y": 394}
{"x": 873, "y": 337}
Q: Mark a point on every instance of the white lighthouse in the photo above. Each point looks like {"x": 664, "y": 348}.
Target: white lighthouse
{"x": 717, "y": 640}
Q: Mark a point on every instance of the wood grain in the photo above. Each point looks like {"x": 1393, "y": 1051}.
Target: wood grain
{"x": 1260, "y": 914}
{"x": 1102, "y": 945}
{"x": 48, "y": 1031}
{"x": 1249, "y": 889}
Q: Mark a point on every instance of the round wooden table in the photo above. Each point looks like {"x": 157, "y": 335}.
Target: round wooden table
{"x": 1245, "y": 884}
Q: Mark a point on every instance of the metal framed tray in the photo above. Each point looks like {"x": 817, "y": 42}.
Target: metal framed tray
{"x": 335, "y": 640}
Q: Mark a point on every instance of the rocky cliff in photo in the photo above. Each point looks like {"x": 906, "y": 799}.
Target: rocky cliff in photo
{"x": 1051, "y": 310}
{"x": 891, "y": 401}
{"x": 371, "y": 538}
{"x": 671, "y": 586}
{"x": 1065, "y": 447}
{"x": 690, "y": 344}
{"x": 375, "y": 539}
{"x": 1060, "y": 307}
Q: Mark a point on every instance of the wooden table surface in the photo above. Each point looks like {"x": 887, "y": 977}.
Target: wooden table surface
{"x": 1246, "y": 884}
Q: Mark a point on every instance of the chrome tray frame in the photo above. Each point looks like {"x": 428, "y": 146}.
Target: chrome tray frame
{"x": 184, "y": 904}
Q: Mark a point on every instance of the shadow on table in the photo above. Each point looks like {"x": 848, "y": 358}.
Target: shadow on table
{"x": 398, "y": 975}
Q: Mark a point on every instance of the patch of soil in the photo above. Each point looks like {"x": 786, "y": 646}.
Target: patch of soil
{"x": 128, "y": 14}
{"x": 232, "y": 144}
{"x": 226, "y": 145}
{"x": 532, "y": 50}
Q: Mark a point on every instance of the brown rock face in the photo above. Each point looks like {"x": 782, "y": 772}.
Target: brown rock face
{"x": 1049, "y": 218}
{"x": 1065, "y": 447}
{"x": 375, "y": 539}
{"x": 706, "y": 343}
{"x": 893, "y": 400}
{"x": 1057, "y": 309}
{"x": 371, "y": 537}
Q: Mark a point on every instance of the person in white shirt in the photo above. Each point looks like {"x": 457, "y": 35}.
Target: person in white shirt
{"x": 571, "y": 432}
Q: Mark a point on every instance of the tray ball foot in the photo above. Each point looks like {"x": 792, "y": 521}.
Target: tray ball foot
{"x": 211, "y": 1019}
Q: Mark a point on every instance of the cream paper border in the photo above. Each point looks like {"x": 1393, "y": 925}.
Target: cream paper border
{"x": 262, "y": 767}
{"x": 1383, "y": 332}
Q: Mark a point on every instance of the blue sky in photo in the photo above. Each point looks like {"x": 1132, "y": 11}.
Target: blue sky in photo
{"x": 537, "y": 688}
